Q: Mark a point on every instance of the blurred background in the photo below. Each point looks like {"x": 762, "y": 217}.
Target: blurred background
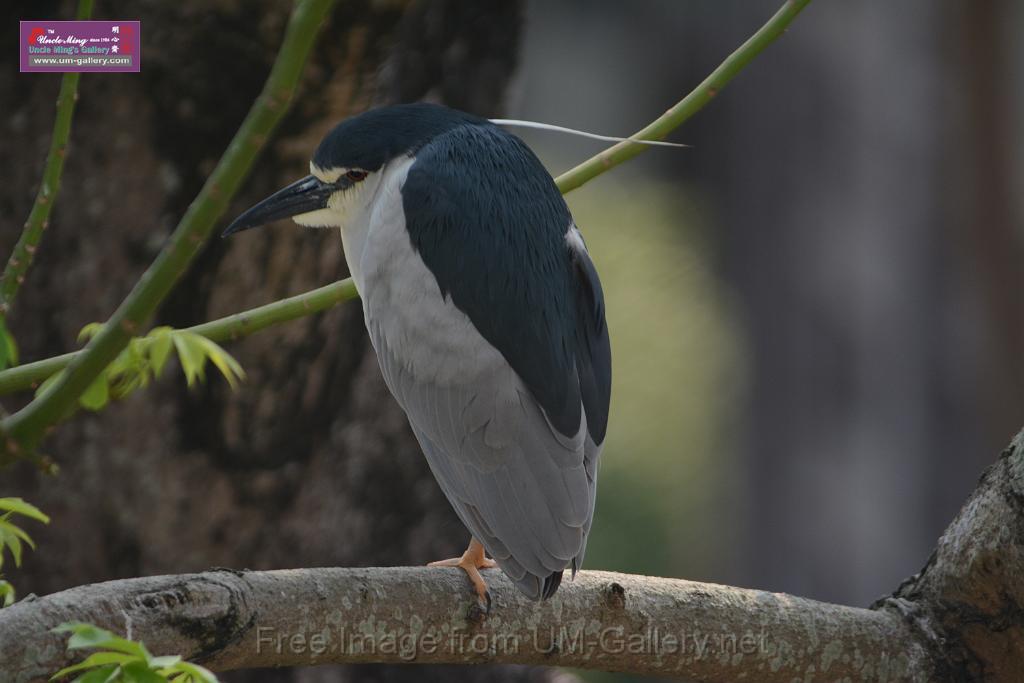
{"x": 816, "y": 311}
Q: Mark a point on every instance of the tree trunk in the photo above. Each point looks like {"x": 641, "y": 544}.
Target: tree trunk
{"x": 310, "y": 462}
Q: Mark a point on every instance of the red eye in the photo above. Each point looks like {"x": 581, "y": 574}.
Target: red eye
{"x": 355, "y": 176}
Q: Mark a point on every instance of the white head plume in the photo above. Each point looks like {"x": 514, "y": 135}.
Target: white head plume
{"x": 581, "y": 133}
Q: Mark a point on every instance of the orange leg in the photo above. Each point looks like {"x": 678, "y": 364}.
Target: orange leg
{"x": 471, "y": 562}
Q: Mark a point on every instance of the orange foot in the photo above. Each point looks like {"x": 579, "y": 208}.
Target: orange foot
{"x": 471, "y": 562}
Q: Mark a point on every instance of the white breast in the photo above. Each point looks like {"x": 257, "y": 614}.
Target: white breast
{"x": 432, "y": 338}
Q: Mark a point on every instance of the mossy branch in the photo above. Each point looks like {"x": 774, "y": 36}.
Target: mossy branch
{"x": 25, "y": 428}
{"x": 39, "y": 218}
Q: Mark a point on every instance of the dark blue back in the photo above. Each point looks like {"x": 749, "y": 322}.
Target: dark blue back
{"x": 488, "y": 221}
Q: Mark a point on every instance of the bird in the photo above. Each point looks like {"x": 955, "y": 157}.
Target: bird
{"x": 487, "y": 317}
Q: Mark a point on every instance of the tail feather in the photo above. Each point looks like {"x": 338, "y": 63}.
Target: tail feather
{"x": 551, "y": 585}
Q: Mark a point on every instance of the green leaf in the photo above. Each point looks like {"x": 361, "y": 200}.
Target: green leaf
{"x": 106, "y": 674}
{"x": 89, "y": 636}
{"x": 228, "y": 366}
{"x": 89, "y": 331}
{"x": 159, "y": 350}
{"x": 164, "y": 661}
{"x": 192, "y": 673}
{"x": 97, "y": 395}
{"x": 20, "y": 507}
{"x": 121, "y": 364}
{"x": 10, "y": 540}
{"x": 135, "y": 356}
{"x": 7, "y": 593}
{"x": 139, "y": 672}
{"x": 122, "y": 385}
{"x": 11, "y": 536}
{"x": 129, "y": 371}
{"x": 92, "y": 661}
{"x": 8, "y": 348}
{"x": 195, "y": 673}
{"x": 192, "y": 356}
{"x": 17, "y": 531}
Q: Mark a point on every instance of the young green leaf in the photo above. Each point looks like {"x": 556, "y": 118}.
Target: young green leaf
{"x": 20, "y": 507}
{"x": 159, "y": 350}
{"x": 89, "y": 636}
{"x": 12, "y": 536}
{"x": 105, "y": 674}
{"x": 13, "y": 543}
{"x": 129, "y": 370}
{"x": 89, "y": 331}
{"x": 92, "y": 661}
{"x": 7, "y": 593}
{"x": 124, "y": 661}
{"x": 186, "y": 672}
{"x": 97, "y": 395}
{"x": 192, "y": 356}
{"x": 139, "y": 672}
{"x": 165, "y": 661}
{"x": 228, "y": 366}
{"x": 16, "y": 530}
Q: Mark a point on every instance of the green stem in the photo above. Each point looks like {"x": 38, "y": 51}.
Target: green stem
{"x": 686, "y": 107}
{"x": 25, "y": 428}
{"x": 39, "y": 217}
{"x": 224, "y": 329}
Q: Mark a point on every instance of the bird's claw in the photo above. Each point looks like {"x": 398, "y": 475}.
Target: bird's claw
{"x": 471, "y": 562}
{"x": 480, "y": 609}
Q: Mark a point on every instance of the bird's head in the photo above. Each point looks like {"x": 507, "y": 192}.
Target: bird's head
{"x": 348, "y": 163}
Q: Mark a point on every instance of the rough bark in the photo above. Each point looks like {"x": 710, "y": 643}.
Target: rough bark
{"x": 958, "y": 619}
{"x": 969, "y": 597}
{"x": 311, "y": 463}
{"x": 602, "y": 620}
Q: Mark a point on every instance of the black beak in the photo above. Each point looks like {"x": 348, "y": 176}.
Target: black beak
{"x": 302, "y": 196}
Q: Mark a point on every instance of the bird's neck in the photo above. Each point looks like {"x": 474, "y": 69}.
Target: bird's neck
{"x": 384, "y": 204}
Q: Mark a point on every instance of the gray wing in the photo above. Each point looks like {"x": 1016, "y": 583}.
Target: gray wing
{"x": 523, "y": 489}
{"x": 487, "y": 318}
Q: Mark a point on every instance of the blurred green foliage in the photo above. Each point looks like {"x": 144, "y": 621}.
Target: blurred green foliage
{"x": 677, "y": 371}
{"x": 123, "y": 661}
{"x": 144, "y": 358}
{"x": 13, "y": 536}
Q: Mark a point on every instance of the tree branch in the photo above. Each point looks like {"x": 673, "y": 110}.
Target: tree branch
{"x": 39, "y": 218}
{"x": 959, "y": 619}
{"x": 224, "y": 329}
{"x": 689, "y": 105}
{"x": 25, "y": 428}
{"x": 970, "y": 595}
{"x": 612, "y": 622}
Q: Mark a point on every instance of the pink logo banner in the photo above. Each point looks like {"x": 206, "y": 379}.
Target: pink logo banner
{"x": 56, "y": 46}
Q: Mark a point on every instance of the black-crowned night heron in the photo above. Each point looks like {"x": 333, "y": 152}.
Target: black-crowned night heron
{"x": 488, "y": 320}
